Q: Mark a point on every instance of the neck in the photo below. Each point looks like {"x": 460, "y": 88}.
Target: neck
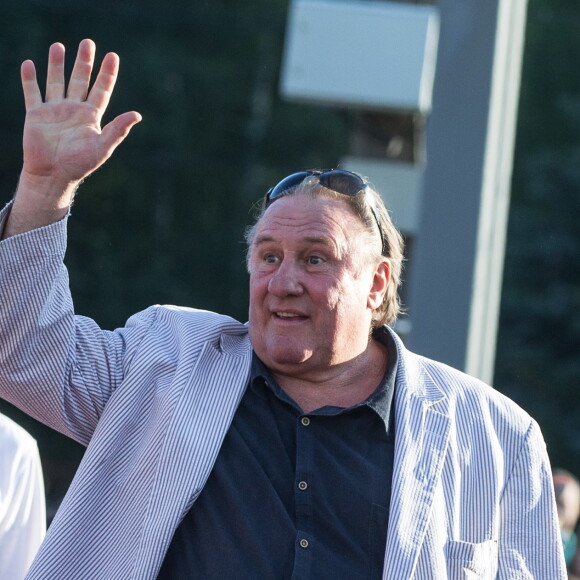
{"x": 343, "y": 385}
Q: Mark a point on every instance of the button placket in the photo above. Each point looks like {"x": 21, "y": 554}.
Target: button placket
{"x": 305, "y": 439}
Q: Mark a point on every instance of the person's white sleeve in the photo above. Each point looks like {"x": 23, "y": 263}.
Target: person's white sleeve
{"x": 22, "y": 501}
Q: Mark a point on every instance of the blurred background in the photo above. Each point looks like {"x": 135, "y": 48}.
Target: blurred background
{"x": 163, "y": 221}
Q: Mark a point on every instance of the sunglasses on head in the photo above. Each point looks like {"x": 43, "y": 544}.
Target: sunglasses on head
{"x": 337, "y": 180}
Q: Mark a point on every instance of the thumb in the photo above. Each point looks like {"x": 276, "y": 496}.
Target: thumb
{"x": 115, "y": 132}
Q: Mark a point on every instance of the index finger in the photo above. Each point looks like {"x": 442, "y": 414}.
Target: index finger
{"x": 32, "y": 95}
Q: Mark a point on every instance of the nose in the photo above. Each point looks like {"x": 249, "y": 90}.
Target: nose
{"x": 285, "y": 281}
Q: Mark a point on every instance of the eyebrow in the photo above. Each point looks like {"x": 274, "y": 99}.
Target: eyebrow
{"x": 324, "y": 241}
{"x": 309, "y": 239}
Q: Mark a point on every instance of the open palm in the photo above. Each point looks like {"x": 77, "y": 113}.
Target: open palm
{"x": 63, "y": 140}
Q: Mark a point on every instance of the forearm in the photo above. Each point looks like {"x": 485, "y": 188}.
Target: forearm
{"x": 36, "y": 319}
{"x": 40, "y": 333}
{"x": 56, "y": 366}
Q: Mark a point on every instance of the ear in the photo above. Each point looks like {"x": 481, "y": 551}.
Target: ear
{"x": 379, "y": 285}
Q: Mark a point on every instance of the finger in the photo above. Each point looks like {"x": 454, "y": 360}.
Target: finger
{"x": 32, "y": 95}
{"x": 55, "y": 73}
{"x": 100, "y": 94}
{"x": 80, "y": 78}
{"x": 116, "y": 131}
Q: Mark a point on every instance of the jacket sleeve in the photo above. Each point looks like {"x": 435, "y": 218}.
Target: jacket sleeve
{"x": 530, "y": 546}
{"x": 57, "y": 367}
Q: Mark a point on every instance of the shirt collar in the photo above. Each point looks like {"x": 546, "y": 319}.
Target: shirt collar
{"x": 380, "y": 401}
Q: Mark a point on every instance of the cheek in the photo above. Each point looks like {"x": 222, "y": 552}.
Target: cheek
{"x": 337, "y": 305}
{"x": 352, "y": 292}
{"x": 258, "y": 295}
{"x": 258, "y": 284}
{"x": 339, "y": 300}
{"x": 349, "y": 301}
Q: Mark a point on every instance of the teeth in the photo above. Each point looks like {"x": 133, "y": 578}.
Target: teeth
{"x": 286, "y": 315}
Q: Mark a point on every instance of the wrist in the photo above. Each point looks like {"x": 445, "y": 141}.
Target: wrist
{"x": 45, "y": 193}
{"x": 39, "y": 201}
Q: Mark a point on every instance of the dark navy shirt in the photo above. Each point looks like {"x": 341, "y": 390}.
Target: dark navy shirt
{"x": 293, "y": 495}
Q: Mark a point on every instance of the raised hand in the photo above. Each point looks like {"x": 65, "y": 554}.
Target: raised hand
{"x": 63, "y": 140}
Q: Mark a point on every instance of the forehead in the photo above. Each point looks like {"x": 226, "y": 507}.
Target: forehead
{"x": 302, "y": 217}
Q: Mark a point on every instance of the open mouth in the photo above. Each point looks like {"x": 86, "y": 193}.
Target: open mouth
{"x": 289, "y": 315}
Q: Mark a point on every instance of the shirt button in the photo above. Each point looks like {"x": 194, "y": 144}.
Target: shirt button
{"x": 304, "y": 543}
{"x": 302, "y": 485}
{"x": 305, "y": 421}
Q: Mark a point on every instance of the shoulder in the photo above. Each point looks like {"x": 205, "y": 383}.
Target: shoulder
{"x": 196, "y": 320}
{"x": 465, "y": 398}
{"x": 177, "y": 329}
{"x": 179, "y": 316}
{"x": 467, "y": 392}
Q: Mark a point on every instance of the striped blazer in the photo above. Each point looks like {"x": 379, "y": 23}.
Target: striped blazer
{"x": 471, "y": 495}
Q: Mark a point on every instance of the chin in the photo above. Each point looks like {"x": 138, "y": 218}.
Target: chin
{"x": 286, "y": 359}
{"x": 278, "y": 355}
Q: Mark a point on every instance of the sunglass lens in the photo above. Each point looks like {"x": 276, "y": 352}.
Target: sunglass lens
{"x": 286, "y": 184}
{"x": 342, "y": 181}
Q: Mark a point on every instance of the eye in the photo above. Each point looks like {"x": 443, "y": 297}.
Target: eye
{"x": 270, "y": 259}
{"x": 315, "y": 260}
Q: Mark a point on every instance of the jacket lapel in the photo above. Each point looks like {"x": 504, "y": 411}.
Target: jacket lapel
{"x": 421, "y": 436}
{"x": 200, "y": 421}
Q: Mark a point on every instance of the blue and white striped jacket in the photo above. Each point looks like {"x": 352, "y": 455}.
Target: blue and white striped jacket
{"x": 471, "y": 495}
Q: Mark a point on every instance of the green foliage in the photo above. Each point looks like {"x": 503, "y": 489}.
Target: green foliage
{"x": 538, "y": 359}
